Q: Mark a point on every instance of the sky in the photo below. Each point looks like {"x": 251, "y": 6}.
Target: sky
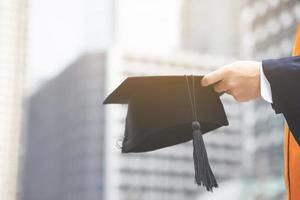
{"x": 60, "y": 31}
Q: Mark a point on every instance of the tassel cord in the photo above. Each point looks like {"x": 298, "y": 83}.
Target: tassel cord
{"x": 203, "y": 173}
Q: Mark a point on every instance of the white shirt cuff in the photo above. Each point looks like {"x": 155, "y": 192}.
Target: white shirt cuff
{"x": 265, "y": 88}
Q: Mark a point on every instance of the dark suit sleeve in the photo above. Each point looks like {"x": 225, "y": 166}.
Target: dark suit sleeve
{"x": 284, "y": 78}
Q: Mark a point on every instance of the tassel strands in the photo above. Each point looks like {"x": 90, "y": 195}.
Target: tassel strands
{"x": 203, "y": 173}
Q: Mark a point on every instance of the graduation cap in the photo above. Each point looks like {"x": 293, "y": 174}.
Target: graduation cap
{"x": 169, "y": 110}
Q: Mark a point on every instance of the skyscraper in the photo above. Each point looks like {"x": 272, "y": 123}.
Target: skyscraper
{"x": 167, "y": 173}
{"x": 65, "y": 135}
{"x": 211, "y": 26}
{"x": 248, "y": 153}
{"x": 269, "y": 27}
{"x": 12, "y": 66}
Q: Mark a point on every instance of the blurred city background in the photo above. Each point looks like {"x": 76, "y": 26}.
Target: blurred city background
{"x": 60, "y": 58}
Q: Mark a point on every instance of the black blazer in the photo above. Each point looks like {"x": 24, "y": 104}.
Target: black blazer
{"x": 284, "y": 77}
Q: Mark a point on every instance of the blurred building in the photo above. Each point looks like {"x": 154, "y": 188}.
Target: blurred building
{"x": 65, "y": 135}
{"x": 66, "y": 158}
{"x": 269, "y": 27}
{"x": 248, "y": 154}
{"x": 211, "y": 26}
{"x": 268, "y": 31}
{"x": 12, "y": 64}
{"x": 72, "y": 150}
{"x": 167, "y": 173}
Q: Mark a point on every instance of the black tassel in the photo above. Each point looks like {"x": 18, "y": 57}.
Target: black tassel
{"x": 203, "y": 173}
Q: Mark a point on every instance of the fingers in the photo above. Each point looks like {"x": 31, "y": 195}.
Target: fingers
{"x": 213, "y": 77}
{"x": 221, "y": 87}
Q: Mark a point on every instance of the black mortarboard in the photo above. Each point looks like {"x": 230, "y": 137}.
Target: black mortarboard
{"x": 168, "y": 110}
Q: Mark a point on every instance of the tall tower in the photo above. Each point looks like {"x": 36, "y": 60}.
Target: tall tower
{"x": 65, "y": 138}
{"x": 166, "y": 173}
{"x": 211, "y": 26}
{"x": 269, "y": 27}
{"x": 12, "y": 63}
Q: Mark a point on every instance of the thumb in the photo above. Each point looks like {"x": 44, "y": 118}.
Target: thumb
{"x": 212, "y": 77}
